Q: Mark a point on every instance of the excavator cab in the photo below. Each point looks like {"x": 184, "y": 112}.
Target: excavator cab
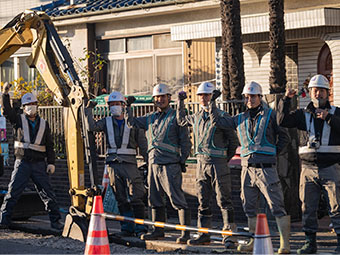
{"x": 54, "y": 63}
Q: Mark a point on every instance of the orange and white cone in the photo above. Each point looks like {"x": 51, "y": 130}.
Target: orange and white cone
{"x": 97, "y": 241}
{"x": 105, "y": 180}
{"x": 263, "y": 243}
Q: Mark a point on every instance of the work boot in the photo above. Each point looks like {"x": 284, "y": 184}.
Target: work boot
{"x": 283, "y": 224}
{"x": 127, "y": 228}
{"x": 57, "y": 225}
{"x": 205, "y": 222}
{"x": 230, "y": 241}
{"x": 158, "y": 214}
{"x": 139, "y": 213}
{"x": 229, "y": 225}
{"x": 184, "y": 216}
{"x": 249, "y": 246}
{"x": 310, "y": 246}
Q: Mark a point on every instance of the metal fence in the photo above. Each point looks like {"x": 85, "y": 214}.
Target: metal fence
{"x": 54, "y": 116}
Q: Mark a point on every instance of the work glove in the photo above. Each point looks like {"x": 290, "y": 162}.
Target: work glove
{"x": 130, "y": 100}
{"x": 215, "y": 94}
{"x": 183, "y": 168}
{"x": 50, "y": 169}
{"x": 182, "y": 95}
{"x": 6, "y": 87}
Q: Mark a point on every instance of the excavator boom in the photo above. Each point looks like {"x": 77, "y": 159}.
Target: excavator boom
{"x": 53, "y": 61}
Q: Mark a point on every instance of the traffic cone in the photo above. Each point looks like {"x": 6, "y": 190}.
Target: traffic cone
{"x": 97, "y": 241}
{"x": 263, "y": 243}
{"x": 105, "y": 180}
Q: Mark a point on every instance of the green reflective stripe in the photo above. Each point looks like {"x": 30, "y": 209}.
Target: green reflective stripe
{"x": 207, "y": 148}
{"x": 259, "y": 143}
{"x": 166, "y": 146}
{"x": 153, "y": 139}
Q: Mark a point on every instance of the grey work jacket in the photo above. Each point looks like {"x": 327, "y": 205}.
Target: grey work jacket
{"x": 297, "y": 119}
{"x": 162, "y": 126}
{"x": 274, "y": 134}
{"x": 15, "y": 118}
{"x": 136, "y": 139}
{"x": 212, "y": 145}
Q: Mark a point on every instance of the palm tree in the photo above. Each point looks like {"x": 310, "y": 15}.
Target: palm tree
{"x": 277, "y": 79}
{"x": 232, "y": 50}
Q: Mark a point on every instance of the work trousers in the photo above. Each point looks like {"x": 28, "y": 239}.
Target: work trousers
{"x": 127, "y": 183}
{"x": 209, "y": 177}
{"x": 313, "y": 181}
{"x": 23, "y": 171}
{"x": 166, "y": 179}
{"x": 265, "y": 180}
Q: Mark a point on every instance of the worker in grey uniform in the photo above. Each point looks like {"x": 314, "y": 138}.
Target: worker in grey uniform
{"x": 319, "y": 151}
{"x": 34, "y": 158}
{"x": 261, "y": 141}
{"x": 125, "y": 178}
{"x": 168, "y": 148}
{"x": 214, "y": 147}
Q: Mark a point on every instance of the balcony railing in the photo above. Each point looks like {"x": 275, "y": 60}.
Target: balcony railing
{"x": 54, "y": 116}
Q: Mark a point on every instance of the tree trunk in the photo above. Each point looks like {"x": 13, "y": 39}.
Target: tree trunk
{"x": 277, "y": 79}
{"x": 232, "y": 50}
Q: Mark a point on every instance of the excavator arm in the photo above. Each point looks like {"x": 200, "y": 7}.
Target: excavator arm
{"x": 51, "y": 58}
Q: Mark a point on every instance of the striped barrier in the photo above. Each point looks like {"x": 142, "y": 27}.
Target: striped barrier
{"x": 175, "y": 226}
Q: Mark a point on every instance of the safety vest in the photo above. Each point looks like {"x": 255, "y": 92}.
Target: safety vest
{"x": 112, "y": 143}
{"x": 26, "y": 143}
{"x": 324, "y": 143}
{"x": 160, "y": 139}
{"x": 204, "y": 143}
{"x": 259, "y": 142}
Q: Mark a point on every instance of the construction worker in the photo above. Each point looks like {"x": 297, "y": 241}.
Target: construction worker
{"x": 125, "y": 178}
{"x": 261, "y": 141}
{"x": 33, "y": 148}
{"x": 214, "y": 147}
{"x": 319, "y": 151}
{"x": 168, "y": 147}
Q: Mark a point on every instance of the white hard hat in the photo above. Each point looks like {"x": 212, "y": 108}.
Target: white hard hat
{"x": 252, "y": 88}
{"x": 116, "y": 97}
{"x": 205, "y": 88}
{"x": 160, "y": 89}
{"x": 318, "y": 81}
{"x": 28, "y": 98}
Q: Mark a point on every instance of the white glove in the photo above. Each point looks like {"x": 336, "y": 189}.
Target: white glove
{"x": 6, "y": 87}
{"x": 50, "y": 169}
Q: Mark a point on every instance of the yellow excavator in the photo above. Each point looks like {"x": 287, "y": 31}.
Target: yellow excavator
{"x": 53, "y": 61}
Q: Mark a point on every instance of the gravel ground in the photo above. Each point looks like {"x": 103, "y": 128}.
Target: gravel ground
{"x": 63, "y": 245}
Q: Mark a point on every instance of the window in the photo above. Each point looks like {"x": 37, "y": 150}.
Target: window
{"x": 7, "y": 70}
{"x": 139, "y": 76}
{"x": 114, "y": 45}
{"x": 139, "y": 43}
{"x": 169, "y": 71}
{"x": 147, "y": 60}
{"x": 116, "y": 75}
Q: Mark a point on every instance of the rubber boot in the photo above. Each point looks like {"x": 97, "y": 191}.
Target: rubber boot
{"x": 249, "y": 246}
{"x": 158, "y": 214}
{"x": 184, "y": 216}
{"x": 337, "y": 250}
{"x": 310, "y": 246}
{"x": 283, "y": 224}
{"x": 139, "y": 213}
{"x": 229, "y": 225}
{"x": 203, "y": 221}
{"x": 127, "y": 228}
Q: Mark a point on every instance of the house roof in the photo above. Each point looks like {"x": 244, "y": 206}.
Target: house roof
{"x": 59, "y": 8}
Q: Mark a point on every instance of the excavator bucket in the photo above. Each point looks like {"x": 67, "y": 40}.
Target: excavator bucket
{"x": 76, "y": 225}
